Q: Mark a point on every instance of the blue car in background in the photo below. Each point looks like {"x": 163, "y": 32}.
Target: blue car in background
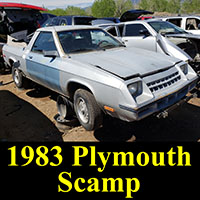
{"x": 90, "y": 20}
{"x": 69, "y": 20}
{"x": 45, "y": 18}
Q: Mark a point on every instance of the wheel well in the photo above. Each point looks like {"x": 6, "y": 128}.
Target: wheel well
{"x": 73, "y": 86}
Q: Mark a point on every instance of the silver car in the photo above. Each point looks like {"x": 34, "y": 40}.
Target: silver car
{"x": 95, "y": 74}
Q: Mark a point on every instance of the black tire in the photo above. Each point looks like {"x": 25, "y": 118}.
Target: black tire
{"x": 87, "y": 110}
{"x": 19, "y": 80}
{"x": 65, "y": 107}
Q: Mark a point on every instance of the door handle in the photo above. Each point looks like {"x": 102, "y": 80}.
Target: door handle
{"x": 125, "y": 40}
{"x": 31, "y": 57}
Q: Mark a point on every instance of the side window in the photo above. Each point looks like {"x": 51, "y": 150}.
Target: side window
{"x": 55, "y": 21}
{"x": 192, "y": 24}
{"x": 63, "y": 22}
{"x": 44, "y": 42}
{"x": 134, "y": 29}
{"x": 112, "y": 31}
{"x": 177, "y": 22}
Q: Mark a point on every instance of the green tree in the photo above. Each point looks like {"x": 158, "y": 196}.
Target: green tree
{"x": 103, "y": 8}
{"x": 154, "y": 5}
{"x": 174, "y": 6}
{"x": 71, "y": 10}
{"x": 57, "y": 11}
{"x": 158, "y": 5}
{"x": 191, "y": 6}
{"x": 122, "y": 6}
{"x": 144, "y": 4}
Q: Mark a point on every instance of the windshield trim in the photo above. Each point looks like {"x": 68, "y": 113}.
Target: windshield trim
{"x": 176, "y": 28}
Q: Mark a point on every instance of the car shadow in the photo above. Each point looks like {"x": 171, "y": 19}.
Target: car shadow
{"x": 38, "y": 91}
{"x": 21, "y": 121}
{"x": 181, "y": 125}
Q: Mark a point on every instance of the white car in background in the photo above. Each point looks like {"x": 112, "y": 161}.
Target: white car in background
{"x": 190, "y": 24}
{"x": 158, "y": 36}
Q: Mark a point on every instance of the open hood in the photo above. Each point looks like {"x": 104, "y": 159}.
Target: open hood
{"x": 134, "y": 14}
{"x": 20, "y": 5}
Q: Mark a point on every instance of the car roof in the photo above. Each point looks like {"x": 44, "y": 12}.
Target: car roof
{"x": 66, "y": 28}
{"x": 141, "y": 21}
{"x": 65, "y": 16}
{"x": 181, "y": 16}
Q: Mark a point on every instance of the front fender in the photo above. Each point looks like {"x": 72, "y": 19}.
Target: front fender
{"x": 76, "y": 83}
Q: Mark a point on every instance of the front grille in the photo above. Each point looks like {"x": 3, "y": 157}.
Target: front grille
{"x": 165, "y": 82}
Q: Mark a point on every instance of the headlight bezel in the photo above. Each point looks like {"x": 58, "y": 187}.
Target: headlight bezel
{"x": 184, "y": 68}
{"x": 135, "y": 88}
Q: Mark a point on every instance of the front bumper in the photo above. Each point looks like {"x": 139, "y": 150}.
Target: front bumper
{"x": 158, "y": 105}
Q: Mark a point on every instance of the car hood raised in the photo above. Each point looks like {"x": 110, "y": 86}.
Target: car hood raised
{"x": 132, "y": 15}
{"x": 127, "y": 62}
{"x": 20, "y": 5}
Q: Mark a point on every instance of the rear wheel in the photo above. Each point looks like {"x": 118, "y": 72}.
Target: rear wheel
{"x": 87, "y": 110}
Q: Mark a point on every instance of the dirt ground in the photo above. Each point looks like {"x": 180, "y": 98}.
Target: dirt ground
{"x": 29, "y": 115}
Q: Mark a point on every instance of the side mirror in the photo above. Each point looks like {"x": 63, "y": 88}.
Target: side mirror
{"x": 144, "y": 32}
{"x": 51, "y": 54}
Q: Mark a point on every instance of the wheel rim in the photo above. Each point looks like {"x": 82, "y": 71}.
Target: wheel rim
{"x": 16, "y": 76}
{"x": 83, "y": 110}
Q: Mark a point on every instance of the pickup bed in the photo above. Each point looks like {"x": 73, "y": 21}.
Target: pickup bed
{"x": 95, "y": 74}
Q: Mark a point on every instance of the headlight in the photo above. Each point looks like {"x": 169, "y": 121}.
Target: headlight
{"x": 135, "y": 88}
{"x": 184, "y": 68}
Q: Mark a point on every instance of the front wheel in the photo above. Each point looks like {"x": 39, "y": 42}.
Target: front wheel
{"x": 87, "y": 110}
{"x": 19, "y": 80}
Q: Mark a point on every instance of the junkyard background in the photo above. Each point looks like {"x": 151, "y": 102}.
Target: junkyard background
{"x": 29, "y": 115}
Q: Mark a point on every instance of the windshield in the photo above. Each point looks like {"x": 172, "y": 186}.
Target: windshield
{"x": 165, "y": 27}
{"x": 86, "y": 40}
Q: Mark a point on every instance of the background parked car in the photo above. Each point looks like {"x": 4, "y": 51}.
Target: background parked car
{"x": 69, "y": 20}
{"x": 188, "y": 23}
{"x": 17, "y": 20}
{"x": 16, "y": 17}
{"x": 45, "y": 18}
{"x": 159, "y": 36}
{"x": 89, "y": 20}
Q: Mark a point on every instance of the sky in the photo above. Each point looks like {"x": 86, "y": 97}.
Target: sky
{"x": 51, "y": 4}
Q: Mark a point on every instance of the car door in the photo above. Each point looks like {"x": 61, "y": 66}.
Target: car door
{"x": 44, "y": 69}
{"x": 132, "y": 36}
